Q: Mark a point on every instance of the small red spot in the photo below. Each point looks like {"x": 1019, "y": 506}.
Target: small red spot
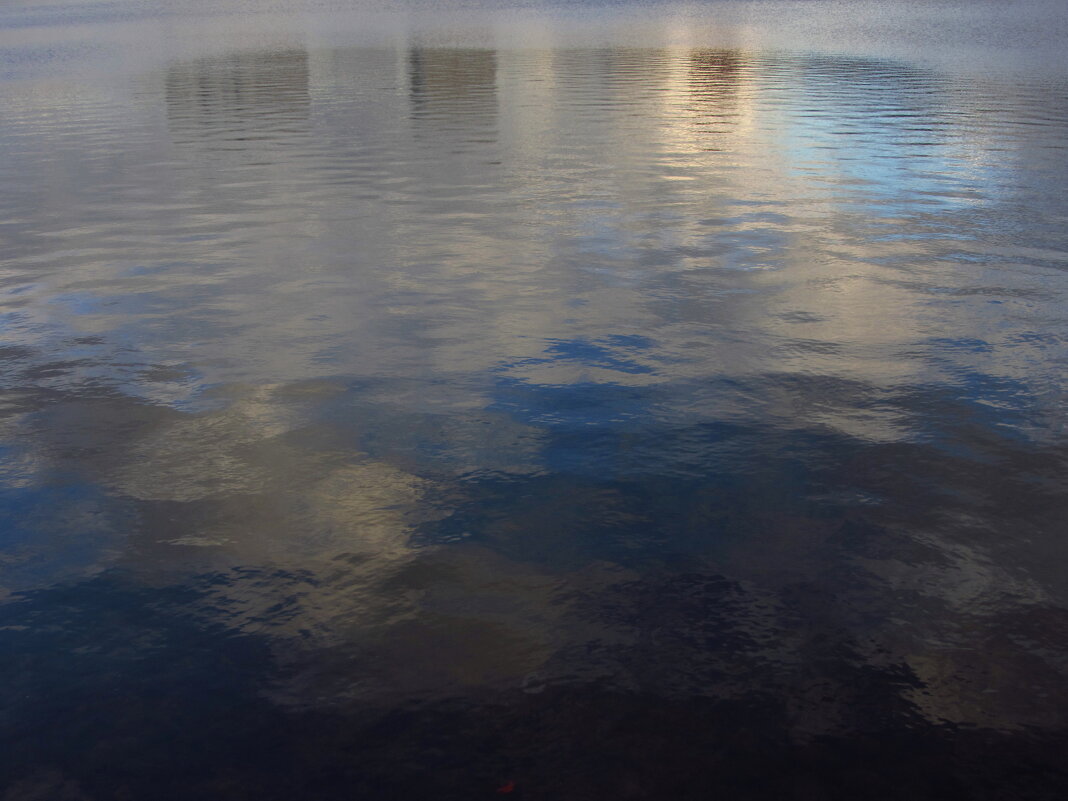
{"x": 506, "y": 788}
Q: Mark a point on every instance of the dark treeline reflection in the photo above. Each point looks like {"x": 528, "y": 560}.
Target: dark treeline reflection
{"x": 238, "y": 98}
{"x": 618, "y": 422}
{"x": 460, "y": 83}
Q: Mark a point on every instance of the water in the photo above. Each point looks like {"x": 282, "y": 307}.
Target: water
{"x": 580, "y": 403}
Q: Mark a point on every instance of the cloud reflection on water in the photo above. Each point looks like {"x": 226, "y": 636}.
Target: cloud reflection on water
{"x": 695, "y": 372}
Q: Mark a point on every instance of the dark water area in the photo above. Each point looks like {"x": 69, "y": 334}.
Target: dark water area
{"x": 641, "y": 402}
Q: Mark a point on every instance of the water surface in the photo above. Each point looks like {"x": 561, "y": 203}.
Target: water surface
{"x": 633, "y": 402}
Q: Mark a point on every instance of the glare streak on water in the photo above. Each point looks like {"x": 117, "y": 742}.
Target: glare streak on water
{"x": 687, "y": 399}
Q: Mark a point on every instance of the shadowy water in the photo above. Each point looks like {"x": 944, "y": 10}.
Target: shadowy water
{"x": 411, "y": 412}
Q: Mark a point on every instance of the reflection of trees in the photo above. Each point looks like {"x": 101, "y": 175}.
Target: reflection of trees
{"x": 243, "y": 96}
{"x": 452, "y": 86}
{"x": 715, "y": 74}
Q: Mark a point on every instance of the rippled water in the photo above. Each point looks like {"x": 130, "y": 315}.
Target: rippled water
{"x": 591, "y": 405}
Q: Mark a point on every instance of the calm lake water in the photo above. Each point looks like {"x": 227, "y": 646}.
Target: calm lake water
{"x": 455, "y": 402}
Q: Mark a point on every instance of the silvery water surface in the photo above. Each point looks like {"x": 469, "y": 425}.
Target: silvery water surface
{"x": 576, "y": 402}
